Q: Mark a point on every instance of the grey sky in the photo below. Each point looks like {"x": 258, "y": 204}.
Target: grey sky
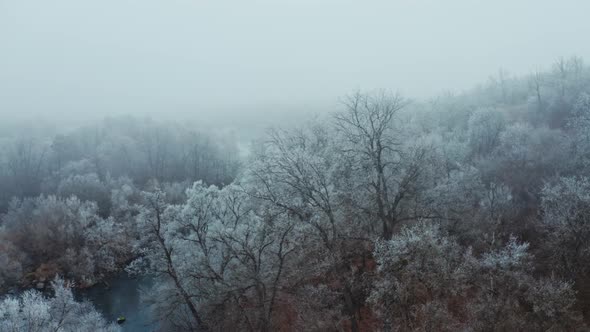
{"x": 133, "y": 56}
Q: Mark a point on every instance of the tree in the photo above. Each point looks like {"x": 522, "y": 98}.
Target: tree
{"x": 511, "y": 298}
{"x": 579, "y": 126}
{"x": 485, "y": 126}
{"x": 524, "y": 157}
{"x": 33, "y": 312}
{"x": 216, "y": 258}
{"x": 295, "y": 173}
{"x": 420, "y": 271}
{"x": 300, "y": 173}
{"x": 25, "y": 162}
{"x": 67, "y": 235}
{"x": 428, "y": 281}
{"x": 536, "y": 81}
{"x": 388, "y": 172}
{"x": 87, "y": 187}
{"x": 565, "y": 207}
{"x": 156, "y": 252}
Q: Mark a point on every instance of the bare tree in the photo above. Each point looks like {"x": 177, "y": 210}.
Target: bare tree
{"x": 26, "y": 161}
{"x": 225, "y": 264}
{"x": 536, "y": 81}
{"x": 386, "y": 168}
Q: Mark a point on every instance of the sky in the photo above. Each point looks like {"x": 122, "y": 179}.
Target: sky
{"x": 75, "y": 58}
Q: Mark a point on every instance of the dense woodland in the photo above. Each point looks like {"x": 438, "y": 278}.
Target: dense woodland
{"x": 467, "y": 212}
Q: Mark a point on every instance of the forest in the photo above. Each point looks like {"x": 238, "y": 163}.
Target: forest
{"x": 465, "y": 212}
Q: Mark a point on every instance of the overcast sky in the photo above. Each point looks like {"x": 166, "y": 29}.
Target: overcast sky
{"x": 135, "y": 56}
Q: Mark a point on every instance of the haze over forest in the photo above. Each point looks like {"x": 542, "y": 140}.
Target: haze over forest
{"x": 69, "y": 59}
{"x": 201, "y": 166}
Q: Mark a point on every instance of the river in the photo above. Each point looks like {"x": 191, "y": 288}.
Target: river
{"x": 121, "y": 298}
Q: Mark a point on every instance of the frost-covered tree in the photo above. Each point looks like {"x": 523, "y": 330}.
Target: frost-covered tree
{"x": 428, "y": 281}
{"x": 470, "y": 209}
{"x": 303, "y": 173}
{"x": 579, "y": 125}
{"x": 23, "y": 165}
{"x": 511, "y": 298}
{"x": 296, "y": 173}
{"x": 217, "y": 258}
{"x": 525, "y": 156}
{"x": 385, "y": 167}
{"x": 66, "y": 234}
{"x": 485, "y": 126}
{"x": 457, "y": 196}
{"x": 33, "y": 312}
{"x": 11, "y": 264}
{"x": 565, "y": 206}
{"x": 421, "y": 272}
{"x": 87, "y": 187}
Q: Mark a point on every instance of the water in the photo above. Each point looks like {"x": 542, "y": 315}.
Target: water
{"x": 121, "y": 298}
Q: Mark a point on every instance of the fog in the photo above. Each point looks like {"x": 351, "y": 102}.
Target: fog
{"x": 211, "y": 59}
{"x": 266, "y": 165}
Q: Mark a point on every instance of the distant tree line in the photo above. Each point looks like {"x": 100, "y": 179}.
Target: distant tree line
{"x": 140, "y": 149}
{"x": 68, "y": 200}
